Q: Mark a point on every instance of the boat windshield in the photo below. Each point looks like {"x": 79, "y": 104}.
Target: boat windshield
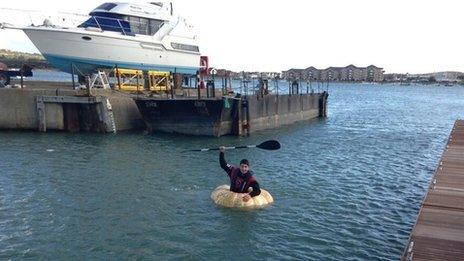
{"x": 108, "y": 22}
{"x": 127, "y": 25}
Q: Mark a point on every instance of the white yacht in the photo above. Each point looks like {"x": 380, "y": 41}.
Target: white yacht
{"x": 128, "y": 35}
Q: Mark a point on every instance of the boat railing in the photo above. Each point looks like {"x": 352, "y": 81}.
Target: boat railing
{"x": 23, "y": 18}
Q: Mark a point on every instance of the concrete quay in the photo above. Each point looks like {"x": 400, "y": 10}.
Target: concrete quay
{"x": 57, "y": 107}
{"x": 52, "y": 106}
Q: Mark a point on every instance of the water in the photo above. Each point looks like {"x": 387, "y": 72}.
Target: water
{"x": 50, "y": 75}
{"x": 346, "y": 187}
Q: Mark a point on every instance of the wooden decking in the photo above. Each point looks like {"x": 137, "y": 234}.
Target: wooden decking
{"x": 439, "y": 230}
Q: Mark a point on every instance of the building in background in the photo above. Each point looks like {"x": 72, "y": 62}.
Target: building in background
{"x": 293, "y": 74}
{"x": 349, "y": 73}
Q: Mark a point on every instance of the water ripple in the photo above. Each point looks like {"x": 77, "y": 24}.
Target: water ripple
{"x": 346, "y": 187}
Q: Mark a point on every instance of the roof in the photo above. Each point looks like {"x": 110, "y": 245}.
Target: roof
{"x": 353, "y": 66}
{"x": 294, "y": 70}
{"x": 333, "y": 68}
{"x": 311, "y": 68}
{"x": 159, "y": 11}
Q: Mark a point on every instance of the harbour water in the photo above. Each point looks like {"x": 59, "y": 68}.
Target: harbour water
{"x": 345, "y": 187}
{"x": 50, "y": 75}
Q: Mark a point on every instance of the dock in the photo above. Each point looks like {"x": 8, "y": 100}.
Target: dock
{"x": 48, "y": 106}
{"x": 438, "y": 233}
{"x": 163, "y": 104}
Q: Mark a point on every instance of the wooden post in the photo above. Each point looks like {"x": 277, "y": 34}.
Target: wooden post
{"x": 247, "y": 115}
{"x": 173, "y": 85}
{"x": 223, "y": 85}
{"x": 197, "y": 81}
{"x": 240, "y": 117}
{"x": 72, "y": 75}
{"x": 137, "y": 81}
{"x": 87, "y": 83}
{"x": 118, "y": 77}
{"x": 214, "y": 88}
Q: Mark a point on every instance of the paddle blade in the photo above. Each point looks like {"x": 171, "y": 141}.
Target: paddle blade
{"x": 269, "y": 145}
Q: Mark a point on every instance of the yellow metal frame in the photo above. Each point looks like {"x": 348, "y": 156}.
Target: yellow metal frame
{"x": 129, "y": 80}
{"x": 159, "y": 81}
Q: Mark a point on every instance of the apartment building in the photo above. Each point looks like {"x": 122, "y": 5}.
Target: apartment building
{"x": 349, "y": 73}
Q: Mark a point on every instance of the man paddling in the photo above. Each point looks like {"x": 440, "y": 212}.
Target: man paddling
{"x": 241, "y": 179}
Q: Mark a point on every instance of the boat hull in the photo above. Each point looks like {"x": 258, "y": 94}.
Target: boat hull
{"x": 206, "y": 117}
{"x": 89, "y": 51}
{"x": 217, "y": 117}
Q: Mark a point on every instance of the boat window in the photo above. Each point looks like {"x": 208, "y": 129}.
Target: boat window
{"x": 107, "y": 6}
{"x": 138, "y": 25}
{"x": 185, "y": 47}
{"x": 155, "y": 25}
{"x": 145, "y": 26}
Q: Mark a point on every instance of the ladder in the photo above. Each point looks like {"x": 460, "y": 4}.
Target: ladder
{"x": 99, "y": 80}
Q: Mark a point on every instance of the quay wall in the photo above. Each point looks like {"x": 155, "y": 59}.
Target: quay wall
{"x": 125, "y": 111}
{"x": 272, "y": 111}
{"x": 18, "y": 109}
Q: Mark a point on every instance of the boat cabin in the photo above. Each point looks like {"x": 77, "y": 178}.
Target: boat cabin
{"x": 129, "y": 19}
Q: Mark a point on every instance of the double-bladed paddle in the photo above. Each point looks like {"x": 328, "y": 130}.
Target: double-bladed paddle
{"x": 267, "y": 145}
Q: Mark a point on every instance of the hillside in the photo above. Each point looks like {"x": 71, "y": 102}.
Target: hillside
{"x": 16, "y": 59}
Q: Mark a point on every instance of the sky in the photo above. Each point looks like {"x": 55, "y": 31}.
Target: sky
{"x": 399, "y": 35}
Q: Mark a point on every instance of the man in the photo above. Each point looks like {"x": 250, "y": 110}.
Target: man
{"x": 241, "y": 179}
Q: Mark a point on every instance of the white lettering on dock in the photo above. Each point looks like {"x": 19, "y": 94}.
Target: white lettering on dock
{"x": 151, "y": 104}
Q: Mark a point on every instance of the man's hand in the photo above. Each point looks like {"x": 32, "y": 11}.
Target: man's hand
{"x": 246, "y": 197}
{"x": 222, "y": 149}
